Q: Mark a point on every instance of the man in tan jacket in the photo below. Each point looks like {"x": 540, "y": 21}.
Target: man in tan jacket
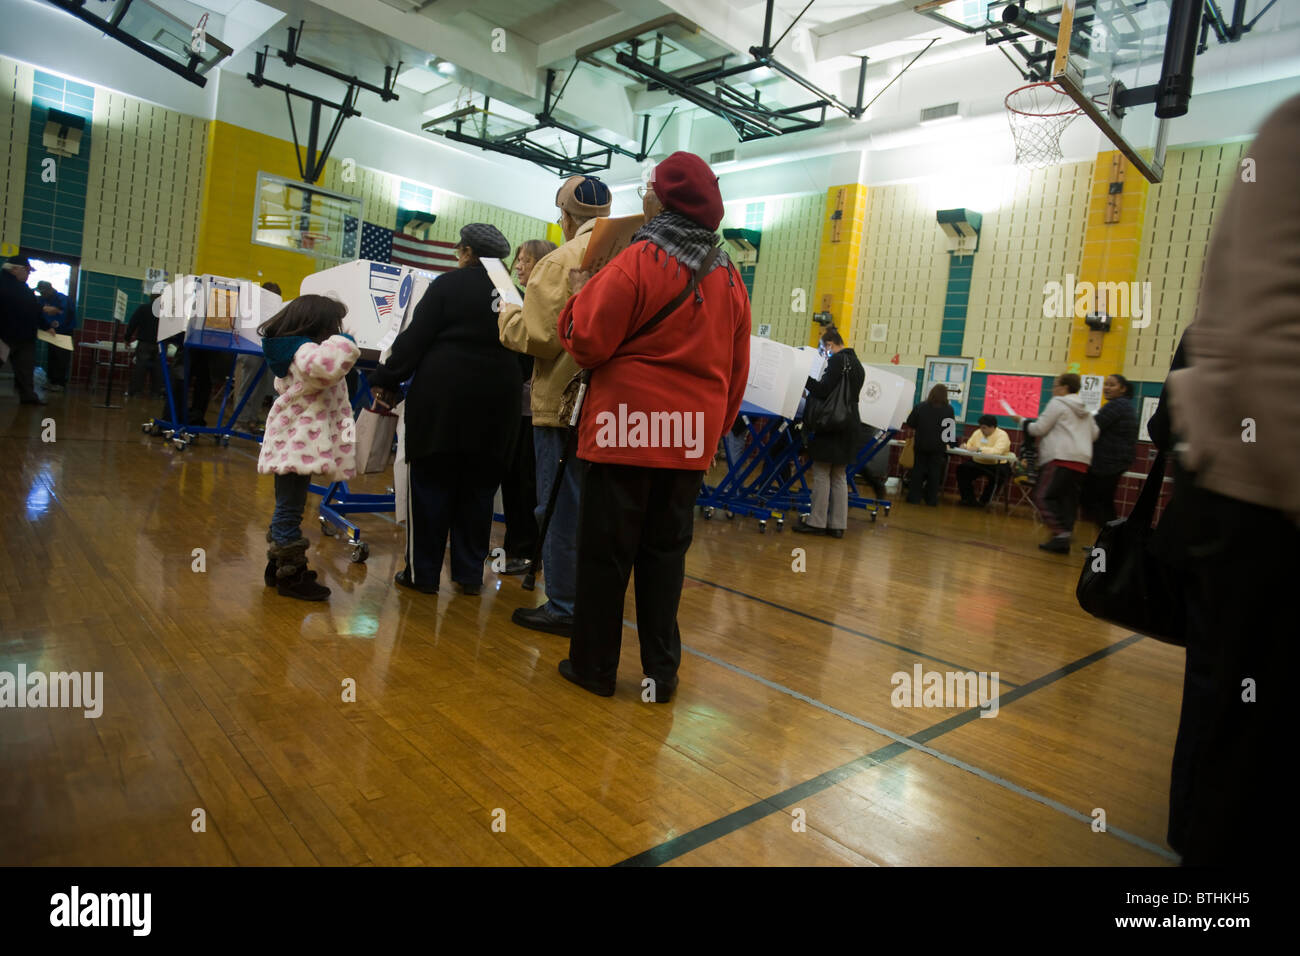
{"x": 581, "y": 201}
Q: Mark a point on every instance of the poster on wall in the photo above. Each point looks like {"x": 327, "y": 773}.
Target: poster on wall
{"x": 1090, "y": 391}
{"x": 1149, "y": 405}
{"x": 954, "y": 374}
{"x": 1015, "y": 396}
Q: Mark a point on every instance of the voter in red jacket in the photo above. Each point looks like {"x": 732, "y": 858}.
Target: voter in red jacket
{"x": 657, "y": 404}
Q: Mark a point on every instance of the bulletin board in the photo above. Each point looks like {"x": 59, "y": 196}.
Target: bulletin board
{"x": 953, "y": 373}
{"x": 1022, "y": 393}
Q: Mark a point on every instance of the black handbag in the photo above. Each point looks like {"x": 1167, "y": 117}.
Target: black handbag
{"x": 835, "y": 412}
{"x": 1128, "y": 581}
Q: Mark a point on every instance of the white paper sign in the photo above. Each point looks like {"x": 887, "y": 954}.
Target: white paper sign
{"x": 119, "y": 305}
{"x": 1149, "y": 406}
{"x": 500, "y": 277}
{"x": 1090, "y": 391}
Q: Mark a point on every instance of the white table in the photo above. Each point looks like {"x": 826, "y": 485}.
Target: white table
{"x": 102, "y": 356}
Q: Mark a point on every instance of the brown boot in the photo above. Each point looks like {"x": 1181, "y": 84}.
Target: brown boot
{"x": 291, "y": 574}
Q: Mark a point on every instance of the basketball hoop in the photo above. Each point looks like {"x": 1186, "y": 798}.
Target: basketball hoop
{"x": 1039, "y": 114}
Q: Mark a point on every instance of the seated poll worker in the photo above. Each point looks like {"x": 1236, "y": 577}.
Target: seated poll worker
{"x": 986, "y": 440}
{"x": 657, "y": 404}
{"x": 462, "y": 415}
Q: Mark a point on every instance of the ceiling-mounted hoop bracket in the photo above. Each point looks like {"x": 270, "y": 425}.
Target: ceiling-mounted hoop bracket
{"x": 311, "y": 161}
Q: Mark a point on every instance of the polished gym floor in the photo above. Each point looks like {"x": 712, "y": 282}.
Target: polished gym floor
{"x": 464, "y": 746}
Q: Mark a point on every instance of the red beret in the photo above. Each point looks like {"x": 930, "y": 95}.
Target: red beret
{"x": 684, "y": 183}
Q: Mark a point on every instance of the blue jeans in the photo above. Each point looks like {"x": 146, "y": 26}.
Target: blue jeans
{"x": 560, "y": 549}
{"x": 290, "y": 502}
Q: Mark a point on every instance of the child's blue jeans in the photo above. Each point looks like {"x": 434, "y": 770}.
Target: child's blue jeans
{"x": 290, "y": 501}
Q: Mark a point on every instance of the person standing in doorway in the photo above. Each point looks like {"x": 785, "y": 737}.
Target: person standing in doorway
{"x": 62, "y": 320}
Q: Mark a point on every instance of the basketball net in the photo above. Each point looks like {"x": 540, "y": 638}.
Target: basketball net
{"x": 1039, "y": 114}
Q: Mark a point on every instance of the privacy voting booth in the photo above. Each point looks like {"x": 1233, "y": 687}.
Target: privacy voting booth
{"x": 766, "y": 479}
{"x": 218, "y": 314}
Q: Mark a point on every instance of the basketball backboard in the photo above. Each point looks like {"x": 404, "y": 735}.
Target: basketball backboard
{"x": 1105, "y": 46}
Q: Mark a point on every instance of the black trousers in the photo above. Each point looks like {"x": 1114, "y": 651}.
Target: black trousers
{"x": 1097, "y": 497}
{"x": 519, "y": 495}
{"x": 57, "y": 361}
{"x": 1228, "y": 797}
{"x": 146, "y": 366}
{"x": 968, "y": 472}
{"x": 447, "y": 500}
{"x": 22, "y": 359}
{"x": 632, "y": 519}
{"x": 928, "y": 469}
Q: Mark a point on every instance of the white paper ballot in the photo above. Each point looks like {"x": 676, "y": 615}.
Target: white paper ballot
{"x": 500, "y": 277}
{"x": 1006, "y": 407}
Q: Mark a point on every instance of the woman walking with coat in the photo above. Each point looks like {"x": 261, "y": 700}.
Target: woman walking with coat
{"x": 831, "y": 451}
{"x": 1112, "y": 452}
{"x": 462, "y": 415}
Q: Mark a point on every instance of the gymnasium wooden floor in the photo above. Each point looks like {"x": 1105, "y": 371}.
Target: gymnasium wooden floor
{"x": 221, "y": 695}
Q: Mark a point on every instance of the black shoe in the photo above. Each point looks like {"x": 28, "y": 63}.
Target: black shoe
{"x": 569, "y": 674}
{"x": 470, "y": 589}
{"x": 663, "y": 693}
{"x": 985, "y": 502}
{"x": 968, "y": 503}
{"x": 1057, "y": 545}
{"x": 803, "y": 527}
{"x": 835, "y": 532}
{"x": 517, "y": 566}
{"x": 544, "y": 619}
{"x": 403, "y": 578}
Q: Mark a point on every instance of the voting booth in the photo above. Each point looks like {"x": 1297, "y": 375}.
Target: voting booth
{"x": 378, "y": 296}
{"x": 216, "y": 309}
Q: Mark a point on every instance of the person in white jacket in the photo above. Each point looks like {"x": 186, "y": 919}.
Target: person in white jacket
{"x": 1065, "y": 433}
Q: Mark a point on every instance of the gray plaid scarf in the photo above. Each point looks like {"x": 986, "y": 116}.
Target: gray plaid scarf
{"x": 684, "y": 239}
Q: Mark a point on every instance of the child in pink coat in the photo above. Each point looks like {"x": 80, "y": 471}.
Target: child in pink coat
{"x": 309, "y": 430}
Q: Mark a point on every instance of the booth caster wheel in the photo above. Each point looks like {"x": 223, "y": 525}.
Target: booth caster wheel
{"x": 886, "y": 511}
{"x": 360, "y": 551}
{"x": 707, "y": 512}
{"x": 780, "y": 524}
{"x": 223, "y": 441}
{"x": 762, "y": 527}
{"x": 180, "y": 444}
{"x": 730, "y": 515}
{"x": 326, "y": 528}
{"x": 168, "y": 433}
{"x": 149, "y": 428}
{"x": 873, "y": 517}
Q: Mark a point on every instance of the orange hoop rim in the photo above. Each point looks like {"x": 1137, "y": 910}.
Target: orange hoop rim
{"x": 1075, "y": 109}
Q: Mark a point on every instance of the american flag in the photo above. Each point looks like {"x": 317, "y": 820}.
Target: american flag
{"x": 428, "y": 254}
{"x": 384, "y": 304}
{"x": 376, "y": 242}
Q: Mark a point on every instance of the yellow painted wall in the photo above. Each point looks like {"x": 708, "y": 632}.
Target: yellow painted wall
{"x": 234, "y": 158}
{"x": 1110, "y": 254}
{"x": 837, "y": 264}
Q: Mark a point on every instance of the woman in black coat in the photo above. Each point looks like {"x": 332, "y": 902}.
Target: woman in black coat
{"x": 462, "y": 415}
{"x": 831, "y": 451}
{"x": 934, "y": 423}
{"x": 1112, "y": 452}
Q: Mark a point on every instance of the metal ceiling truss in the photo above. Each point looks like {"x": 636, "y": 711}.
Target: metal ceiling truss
{"x": 310, "y": 162}
{"x": 591, "y": 155}
{"x": 112, "y": 27}
{"x": 750, "y": 117}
